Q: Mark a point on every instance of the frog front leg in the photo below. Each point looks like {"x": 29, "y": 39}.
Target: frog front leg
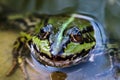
{"x": 114, "y": 59}
{"x": 20, "y": 53}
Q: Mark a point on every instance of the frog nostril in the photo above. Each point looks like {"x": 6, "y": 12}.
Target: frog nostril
{"x": 61, "y": 51}
{"x": 54, "y": 51}
{"x": 66, "y": 43}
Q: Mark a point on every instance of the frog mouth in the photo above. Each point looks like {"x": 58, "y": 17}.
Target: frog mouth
{"x": 59, "y": 60}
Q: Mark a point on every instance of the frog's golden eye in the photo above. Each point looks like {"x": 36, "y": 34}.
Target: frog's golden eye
{"x": 76, "y": 38}
{"x": 75, "y": 35}
{"x": 45, "y": 32}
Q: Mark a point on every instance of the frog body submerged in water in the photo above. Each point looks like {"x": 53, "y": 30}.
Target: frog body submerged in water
{"x": 58, "y": 43}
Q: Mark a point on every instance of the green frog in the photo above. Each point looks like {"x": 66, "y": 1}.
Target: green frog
{"x": 57, "y": 41}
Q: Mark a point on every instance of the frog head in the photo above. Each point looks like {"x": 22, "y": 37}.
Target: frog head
{"x": 64, "y": 45}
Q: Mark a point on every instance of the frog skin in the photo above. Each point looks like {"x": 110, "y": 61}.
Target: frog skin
{"x": 57, "y": 42}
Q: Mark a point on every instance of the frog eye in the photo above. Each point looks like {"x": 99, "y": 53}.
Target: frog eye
{"x": 45, "y": 32}
{"x": 75, "y": 35}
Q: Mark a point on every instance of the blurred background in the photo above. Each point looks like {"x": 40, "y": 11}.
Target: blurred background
{"x": 107, "y": 12}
